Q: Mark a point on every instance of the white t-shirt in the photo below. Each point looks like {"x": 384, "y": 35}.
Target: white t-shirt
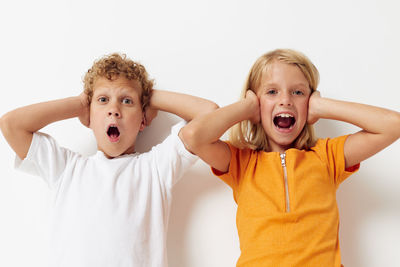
{"x": 109, "y": 212}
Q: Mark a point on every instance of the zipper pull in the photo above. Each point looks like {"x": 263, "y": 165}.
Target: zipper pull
{"x": 283, "y": 159}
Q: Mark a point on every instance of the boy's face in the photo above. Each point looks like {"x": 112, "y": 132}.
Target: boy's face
{"x": 116, "y": 115}
{"x": 284, "y": 93}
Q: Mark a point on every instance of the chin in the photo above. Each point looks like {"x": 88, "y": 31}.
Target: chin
{"x": 112, "y": 154}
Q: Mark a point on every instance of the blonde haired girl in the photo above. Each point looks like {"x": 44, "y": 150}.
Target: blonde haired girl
{"x": 252, "y": 135}
{"x": 284, "y": 182}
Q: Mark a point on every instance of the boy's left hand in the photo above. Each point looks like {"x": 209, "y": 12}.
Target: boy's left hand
{"x": 312, "y": 107}
{"x": 149, "y": 115}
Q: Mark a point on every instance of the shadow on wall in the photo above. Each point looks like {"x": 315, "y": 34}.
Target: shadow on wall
{"x": 360, "y": 202}
{"x": 188, "y": 193}
{"x": 158, "y": 130}
{"x": 359, "y": 199}
{"x": 362, "y": 205}
{"x": 191, "y": 203}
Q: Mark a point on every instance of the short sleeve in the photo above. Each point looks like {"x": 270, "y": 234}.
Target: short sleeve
{"x": 237, "y": 166}
{"x": 332, "y": 152}
{"x": 171, "y": 158}
{"x": 45, "y": 158}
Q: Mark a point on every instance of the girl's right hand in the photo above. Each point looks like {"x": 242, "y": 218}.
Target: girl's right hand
{"x": 254, "y": 103}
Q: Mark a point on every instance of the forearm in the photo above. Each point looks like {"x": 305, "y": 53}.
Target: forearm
{"x": 19, "y": 125}
{"x": 182, "y": 105}
{"x": 201, "y": 135}
{"x": 371, "y": 119}
{"x": 208, "y": 128}
{"x": 34, "y": 117}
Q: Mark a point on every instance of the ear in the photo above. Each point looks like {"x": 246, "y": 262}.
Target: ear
{"x": 85, "y": 120}
{"x": 143, "y": 123}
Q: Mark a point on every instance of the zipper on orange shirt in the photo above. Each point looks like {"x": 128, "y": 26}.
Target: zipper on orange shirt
{"x": 283, "y": 162}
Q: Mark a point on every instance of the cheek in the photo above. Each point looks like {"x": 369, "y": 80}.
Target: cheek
{"x": 92, "y": 111}
{"x": 302, "y": 110}
{"x": 304, "y": 107}
{"x": 95, "y": 119}
{"x": 135, "y": 118}
{"x": 265, "y": 109}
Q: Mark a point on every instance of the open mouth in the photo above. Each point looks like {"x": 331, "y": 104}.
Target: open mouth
{"x": 113, "y": 133}
{"x": 284, "y": 121}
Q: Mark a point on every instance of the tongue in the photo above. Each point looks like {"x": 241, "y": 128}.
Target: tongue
{"x": 114, "y": 135}
{"x": 113, "y": 132}
{"x": 283, "y": 122}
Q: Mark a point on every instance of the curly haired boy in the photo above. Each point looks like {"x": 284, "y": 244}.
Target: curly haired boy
{"x": 111, "y": 208}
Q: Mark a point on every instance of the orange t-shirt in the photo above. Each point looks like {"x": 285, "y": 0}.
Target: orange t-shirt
{"x": 293, "y": 221}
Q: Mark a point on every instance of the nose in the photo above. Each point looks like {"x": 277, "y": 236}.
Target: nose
{"x": 116, "y": 114}
{"x": 285, "y": 99}
{"x": 114, "y": 111}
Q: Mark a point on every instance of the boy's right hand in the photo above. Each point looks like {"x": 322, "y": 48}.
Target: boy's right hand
{"x": 84, "y": 116}
{"x": 254, "y": 103}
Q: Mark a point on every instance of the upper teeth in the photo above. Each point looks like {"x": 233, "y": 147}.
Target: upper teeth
{"x": 285, "y": 115}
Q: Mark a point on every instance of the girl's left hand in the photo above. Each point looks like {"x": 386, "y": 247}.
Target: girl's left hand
{"x": 312, "y": 107}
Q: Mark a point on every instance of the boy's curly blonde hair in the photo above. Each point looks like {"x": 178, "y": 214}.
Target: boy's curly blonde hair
{"x": 111, "y": 67}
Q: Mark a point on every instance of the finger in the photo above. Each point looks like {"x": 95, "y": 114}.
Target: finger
{"x": 316, "y": 93}
{"x": 249, "y": 93}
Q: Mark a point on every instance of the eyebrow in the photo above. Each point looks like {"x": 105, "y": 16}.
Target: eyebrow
{"x": 276, "y": 85}
{"x": 269, "y": 85}
{"x": 301, "y": 84}
{"x": 105, "y": 91}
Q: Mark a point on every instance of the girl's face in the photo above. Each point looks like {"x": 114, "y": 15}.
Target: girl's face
{"x": 283, "y": 95}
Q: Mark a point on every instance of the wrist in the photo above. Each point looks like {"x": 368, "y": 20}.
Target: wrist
{"x": 154, "y": 99}
{"x": 249, "y": 110}
{"x": 322, "y": 107}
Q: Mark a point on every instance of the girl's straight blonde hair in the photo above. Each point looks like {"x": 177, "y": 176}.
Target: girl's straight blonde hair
{"x": 246, "y": 134}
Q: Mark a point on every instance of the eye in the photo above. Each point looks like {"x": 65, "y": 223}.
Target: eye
{"x": 127, "y": 101}
{"x": 271, "y": 91}
{"x": 298, "y": 92}
{"x": 102, "y": 99}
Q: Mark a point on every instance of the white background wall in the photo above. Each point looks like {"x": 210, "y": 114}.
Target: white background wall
{"x": 204, "y": 48}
